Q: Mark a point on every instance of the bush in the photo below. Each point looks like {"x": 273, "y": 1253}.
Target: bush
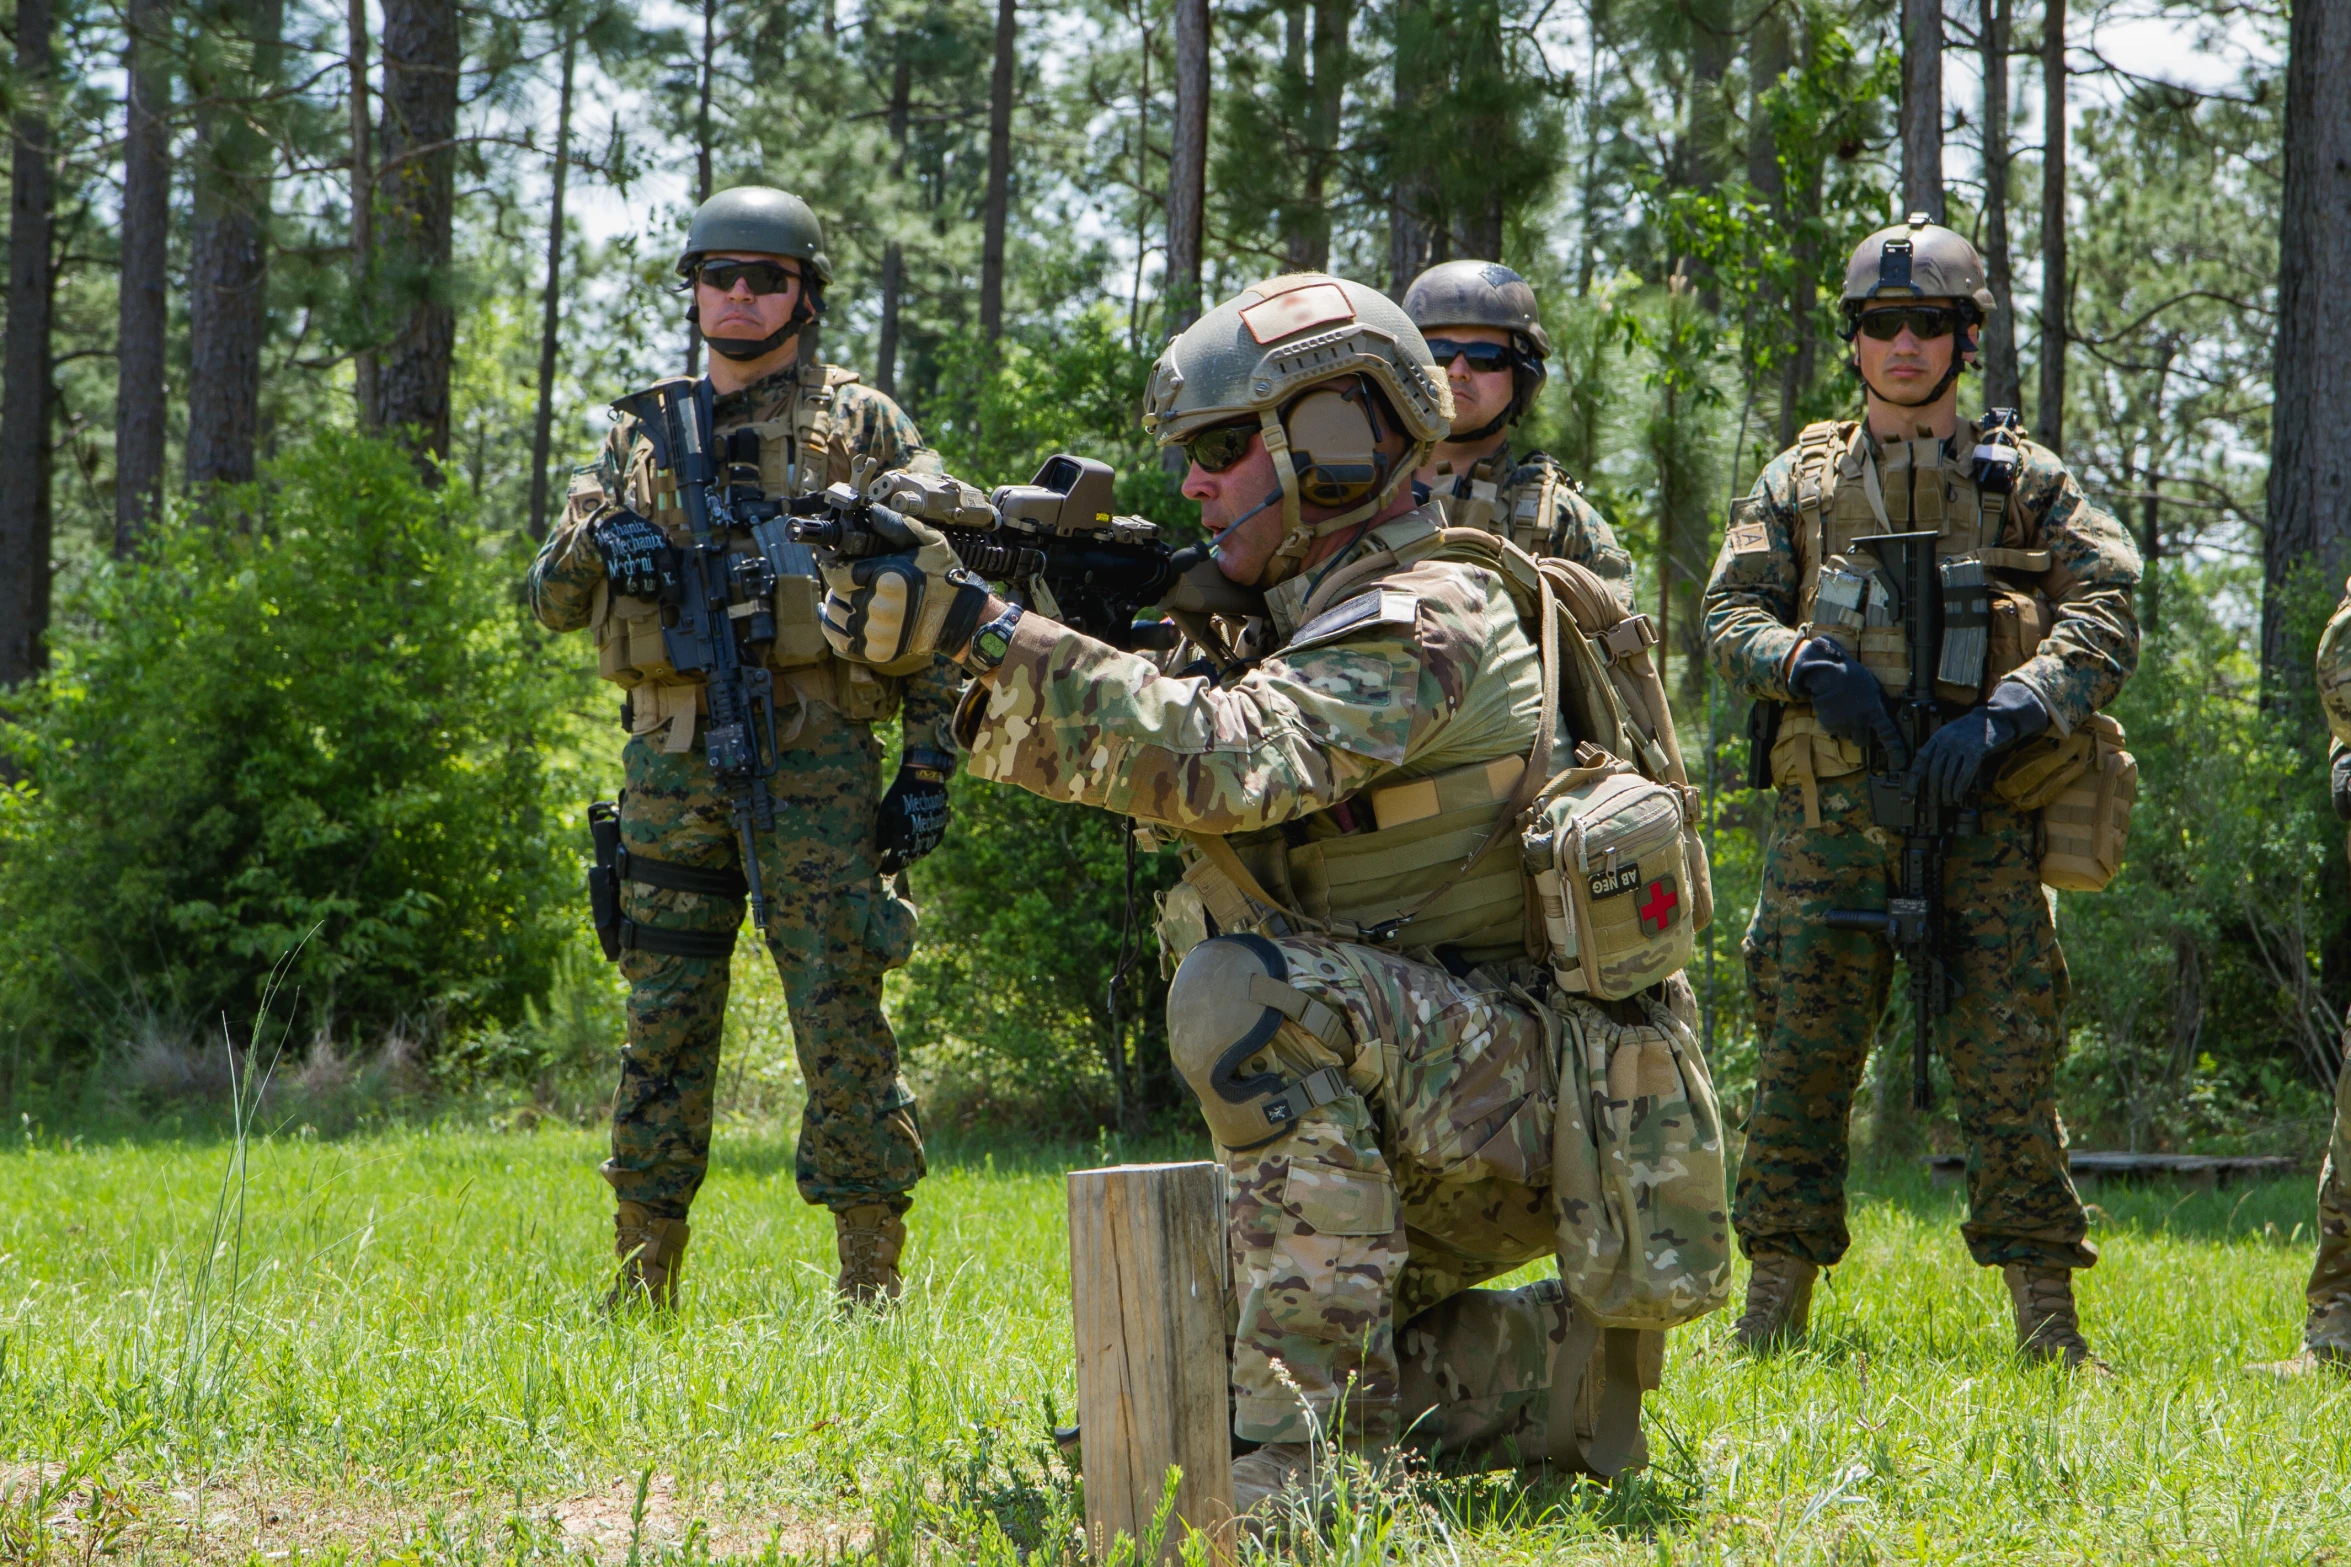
{"x": 321, "y": 750}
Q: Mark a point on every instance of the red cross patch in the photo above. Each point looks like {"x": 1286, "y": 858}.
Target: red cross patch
{"x": 1659, "y": 901}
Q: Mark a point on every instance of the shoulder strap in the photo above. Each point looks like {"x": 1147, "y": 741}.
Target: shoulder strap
{"x": 1817, "y": 446}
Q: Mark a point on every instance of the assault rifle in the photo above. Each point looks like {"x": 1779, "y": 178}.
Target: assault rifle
{"x": 1912, "y": 920}
{"x": 1053, "y": 543}
{"x": 721, "y": 605}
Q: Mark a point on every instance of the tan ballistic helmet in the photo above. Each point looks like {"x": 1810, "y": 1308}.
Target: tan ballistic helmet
{"x": 1277, "y": 353}
{"x": 1916, "y": 260}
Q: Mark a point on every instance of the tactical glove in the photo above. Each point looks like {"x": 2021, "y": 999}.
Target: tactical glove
{"x": 1846, "y": 697}
{"x": 637, "y": 558}
{"x": 914, "y": 813}
{"x": 1954, "y": 756}
{"x": 890, "y": 607}
{"x": 2341, "y": 769}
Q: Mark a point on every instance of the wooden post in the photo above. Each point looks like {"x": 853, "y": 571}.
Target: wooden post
{"x": 1147, "y": 1269}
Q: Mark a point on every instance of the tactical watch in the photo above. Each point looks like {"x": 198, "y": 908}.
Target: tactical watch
{"x": 992, "y": 641}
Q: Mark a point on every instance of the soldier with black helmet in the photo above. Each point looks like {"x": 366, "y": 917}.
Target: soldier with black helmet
{"x": 2038, "y": 633}
{"x": 1485, "y": 332}
{"x": 756, "y": 273}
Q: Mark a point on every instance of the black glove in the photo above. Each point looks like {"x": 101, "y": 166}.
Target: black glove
{"x": 1954, "y": 756}
{"x": 914, "y": 813}
{"x": 2342, "y": 777}
{"x": 637, "y": 558}
{"x": 1846, "y": 698}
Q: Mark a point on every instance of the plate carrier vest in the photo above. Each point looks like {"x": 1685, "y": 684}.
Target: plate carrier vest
{"x": 798, "y": 454}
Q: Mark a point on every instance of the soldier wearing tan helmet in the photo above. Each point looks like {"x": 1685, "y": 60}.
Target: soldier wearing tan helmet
{"x": 1485, "y": 333}
{"x": 2038, "y": 635}
{"x": 755, "y": 272}
{"x": 1352, "y": 1001}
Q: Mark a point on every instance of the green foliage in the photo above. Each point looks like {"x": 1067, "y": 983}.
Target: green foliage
{"x": 321, "y": 751}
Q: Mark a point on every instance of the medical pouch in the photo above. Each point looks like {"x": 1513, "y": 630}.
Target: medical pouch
{"x": 1608, "y": 852}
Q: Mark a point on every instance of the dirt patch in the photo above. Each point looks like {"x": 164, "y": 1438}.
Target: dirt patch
{"x": 44, "y": 1519}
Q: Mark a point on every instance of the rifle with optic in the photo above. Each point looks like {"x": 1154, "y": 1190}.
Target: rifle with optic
{"x": 1054, "y": 543}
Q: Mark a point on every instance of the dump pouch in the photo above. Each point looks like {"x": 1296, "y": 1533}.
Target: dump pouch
{"x": 1638, "y": 1176}
{"x": 2086, "y": 828}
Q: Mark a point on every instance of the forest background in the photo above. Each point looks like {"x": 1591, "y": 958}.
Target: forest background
{"x": 310, "y": 308}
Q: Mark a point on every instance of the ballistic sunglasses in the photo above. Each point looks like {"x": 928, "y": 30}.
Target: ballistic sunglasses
{"x": 1483, "y": 357}
{"x": 765, "y": 277}
{"x": 1218, "y": 447}
{"x": 1925, "y": 322}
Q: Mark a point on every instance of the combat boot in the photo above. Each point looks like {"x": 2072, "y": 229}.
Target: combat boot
{"x": 870, "y": 1239}
{"x": 2326, "y": 1346}
{"x": 651, "y": 1251}
{"x": 2047, "y": 1330}
{"x": 1779, "y": 1302}
{"x": 1273, "y": 1479}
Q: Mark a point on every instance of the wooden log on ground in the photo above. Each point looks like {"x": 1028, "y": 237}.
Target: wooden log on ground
{"x": 1147, "y": 1267}
{"x": 2093, "y": 1166}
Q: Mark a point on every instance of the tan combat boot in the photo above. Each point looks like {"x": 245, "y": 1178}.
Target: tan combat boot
{"x": 1779, "y": 1302}
{"x": 651, "y": 1251}
{"x": 870, "y": 1239}
{"x": 1278, "y": 1477}
{"x": 2326, "y": 1346}
{"x": 2047, "y": 1330}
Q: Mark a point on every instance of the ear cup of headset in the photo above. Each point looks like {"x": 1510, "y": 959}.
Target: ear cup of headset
{"x": 1335, "y": 441}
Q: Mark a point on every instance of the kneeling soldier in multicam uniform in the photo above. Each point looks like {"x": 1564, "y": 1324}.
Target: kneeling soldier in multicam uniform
{"x": 1485, "y": 333}
{"x": 2326, "y": 1325}
{"x": 787, "y": 424}
{"x": 1802, "y": 616}
{"x": 1366, "y": 1042}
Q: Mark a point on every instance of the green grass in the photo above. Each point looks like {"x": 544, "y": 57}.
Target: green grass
{"x": 390, "y": 1349}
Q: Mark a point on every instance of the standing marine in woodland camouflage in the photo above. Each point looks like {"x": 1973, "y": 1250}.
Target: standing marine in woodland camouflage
{"x": 1486, "y": 333}
{"x": 1801, "y": 615}
{"x": 2326, "y": 1324}
{"x": 1354, "y": 1005}
{"x": 786, "y": 424}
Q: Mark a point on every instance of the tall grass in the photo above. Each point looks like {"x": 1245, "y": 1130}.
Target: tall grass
{"x": 404, "y": 1361}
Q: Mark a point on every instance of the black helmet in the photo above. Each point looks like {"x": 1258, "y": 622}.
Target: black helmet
{"x": 1489, "y": 294}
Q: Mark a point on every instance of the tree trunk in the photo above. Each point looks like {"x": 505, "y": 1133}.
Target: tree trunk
{"x": 702, "y": 141}
{"x": 1922, "y": 107}
{"x": 1414, "y": 226}
{"x": 1796, "y": 371}
{"x": 2049, "y": 418}
{"x": 2002, "y": 386}
{"x": 417, "y": 179}
{"x": 893, "y": 257}
{"x": 999, "y": 200}
{"x": 228, "y": 250}
{"x": 1187, "y": 165}
{"x": 142, "y": 317}
{"x": 1767, "y": 62}
{"x": 24, "y": 359}
{"x": 1325, "y": 61}
{"x": 363, "y": 201}
{"x": 2309, "y": 500}
{"x": 550, "y": 310}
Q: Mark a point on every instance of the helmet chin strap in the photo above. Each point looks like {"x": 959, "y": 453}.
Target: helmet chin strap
{"x": 753, "y": 347}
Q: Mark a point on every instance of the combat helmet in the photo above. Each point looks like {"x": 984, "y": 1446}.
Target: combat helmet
{"x": 1918, "y": 259}
{"x": 765, "y": 221}
{"x": 1299, "y": 354}
{"x": 1489, "y": 294}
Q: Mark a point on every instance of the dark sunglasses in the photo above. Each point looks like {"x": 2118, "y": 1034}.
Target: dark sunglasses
{"x": 1925, "y": 322}
{"x": 765, "y": 277}
{"x": 1484, "y": 358}
{"x": 1218, "y": 447}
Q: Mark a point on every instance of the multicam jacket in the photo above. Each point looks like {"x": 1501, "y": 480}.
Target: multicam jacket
{"x": 813, "y": 424}
{"x": 1755, "y": 606}
{"x": 1423, "y": 669}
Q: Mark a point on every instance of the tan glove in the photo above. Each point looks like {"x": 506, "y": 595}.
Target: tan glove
{"x": 918, "y": 600}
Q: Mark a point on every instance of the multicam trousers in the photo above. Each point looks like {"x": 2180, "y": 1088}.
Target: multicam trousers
{"x": 1357, "y": 1235}
{"x": 1817, "y": 995}
{"x": 832, "y": 928}
{"x": 2329, "y": 1294}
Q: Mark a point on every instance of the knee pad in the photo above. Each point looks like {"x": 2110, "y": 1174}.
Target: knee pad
{"x": 1229, "y": 998}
